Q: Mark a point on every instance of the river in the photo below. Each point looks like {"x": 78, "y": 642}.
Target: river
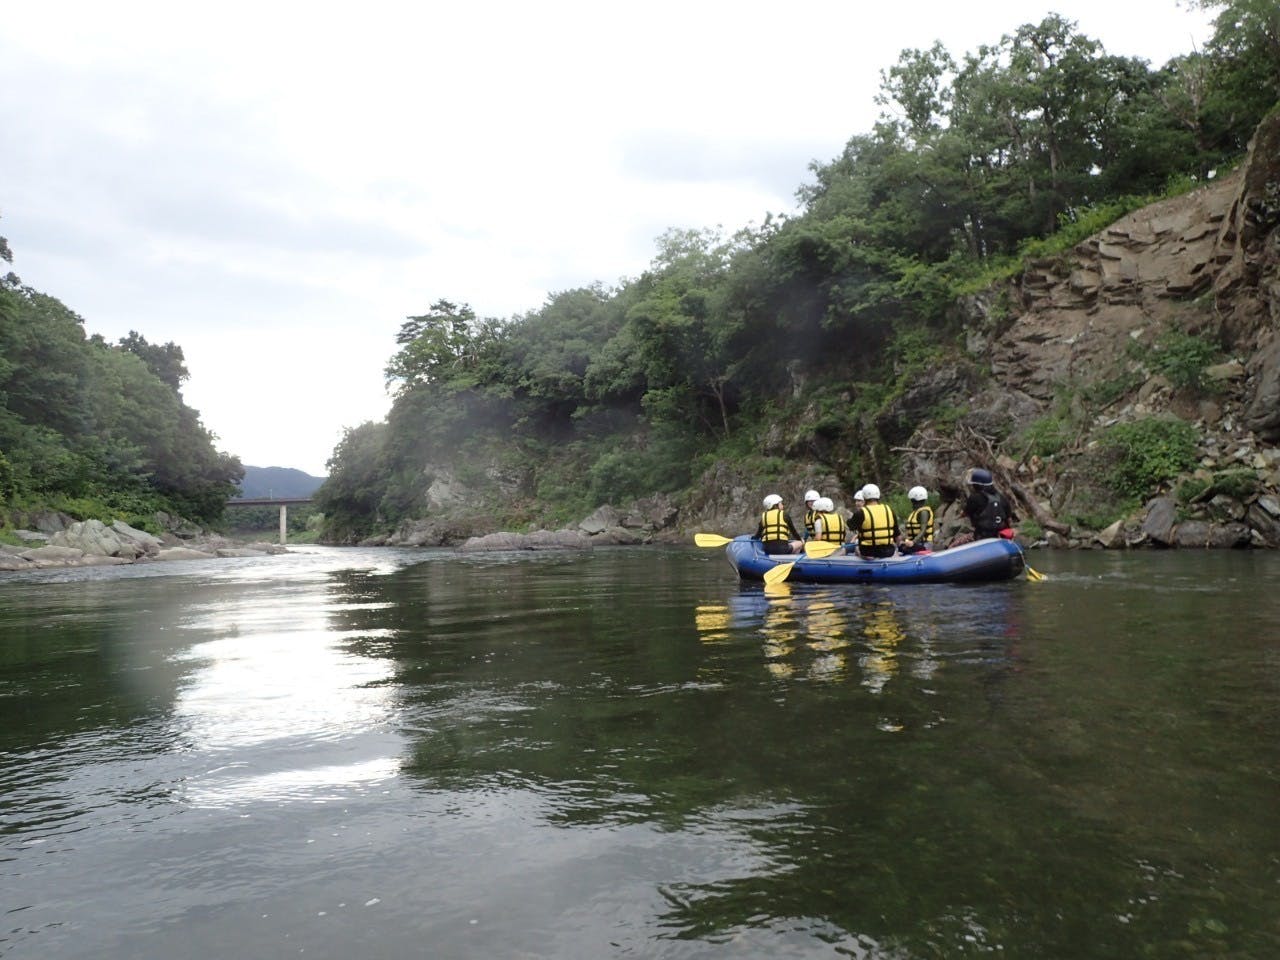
{"x": 342, "y": 753}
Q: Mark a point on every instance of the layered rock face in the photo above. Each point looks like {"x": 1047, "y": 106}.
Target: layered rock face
{"x": 1207, "y": 264}
{"x": 1139, "y": 277}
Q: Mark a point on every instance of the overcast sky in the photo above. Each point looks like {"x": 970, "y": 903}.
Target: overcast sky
{"x": 277, "y": 186}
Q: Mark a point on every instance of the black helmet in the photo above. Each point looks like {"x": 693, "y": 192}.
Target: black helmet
{"x": 979, "y": 477}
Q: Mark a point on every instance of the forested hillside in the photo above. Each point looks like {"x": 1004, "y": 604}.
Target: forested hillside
{"x": 794, "y": 340}
{"x": 277, "y": 482}
{"x": 96, "y": 429}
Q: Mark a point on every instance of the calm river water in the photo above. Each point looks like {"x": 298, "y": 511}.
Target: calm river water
{"x": 381, "y": 753}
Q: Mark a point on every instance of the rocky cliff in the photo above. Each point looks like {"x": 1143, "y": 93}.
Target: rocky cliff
{"x": 1074, "y": 343}
{"x": 1077, "y": 337}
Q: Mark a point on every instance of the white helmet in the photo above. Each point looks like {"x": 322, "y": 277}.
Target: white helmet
{"x": 871, "y": 492}
{"x": 824, "y": 505}
{"x": 917, "y": 493}
{"x": 810, "y": 495}
{"x": 772, "y": 500}
{"x": 860, "y": 496}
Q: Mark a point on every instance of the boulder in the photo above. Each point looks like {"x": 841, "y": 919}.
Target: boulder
{"x": 558, "y": 540}
{"x": 53, "y": 556}
{"x": 1231, "y": 370}
{"x": 1223, "y": 507}
{"x": 182, "y": 553}
{"x": 96, "y": 560}
{"x": 436, "y": 531}
{"x": 1264, "y": 523}
{"x": 1262, "y": 415}
{"x": 1113, "y": 537}
{"x": 1160, "y": 517}
{"x": 654, "y": 513}
{"x": 146, "y": 543}
{"x": 1198, "y": 533}
{"x": 600, "y": 520}
{"x": 92, "y": 537}
{"x": 49, "y": 521}
{"x": 617, "y": 536}
{"x": 538, "y": 540}
{"x": 1055, "y": 540}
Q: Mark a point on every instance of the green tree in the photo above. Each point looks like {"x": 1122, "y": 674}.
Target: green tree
{"x": 1244, "y": 55}
{"x": 165, "y": 361}
{"x": 439, "y": 345}
{"x": 42, "y": 361}
{"x": 351, "y": 495}
{"x": 547, "y": 352}
{"x": 919, "y": 84}
{"x": 685, "y": 344}
{"x": 80, "y": 418}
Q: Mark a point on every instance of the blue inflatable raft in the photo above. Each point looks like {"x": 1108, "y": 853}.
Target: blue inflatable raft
{"x": 977, "y": 562}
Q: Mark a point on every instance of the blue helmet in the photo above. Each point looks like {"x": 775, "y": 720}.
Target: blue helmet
{"x": 980, "y": 478}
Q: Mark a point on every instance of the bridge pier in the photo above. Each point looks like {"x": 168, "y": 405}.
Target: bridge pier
{"x": 281, "y": 502}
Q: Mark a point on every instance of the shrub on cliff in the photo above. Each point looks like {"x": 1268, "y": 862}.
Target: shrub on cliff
{"x": 1144, "y": 454}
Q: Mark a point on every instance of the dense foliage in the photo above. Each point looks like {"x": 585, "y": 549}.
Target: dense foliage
{"x": 98, "y": 429}
{"x": 602, "y": 394}
{"x": 1147, "y": 452}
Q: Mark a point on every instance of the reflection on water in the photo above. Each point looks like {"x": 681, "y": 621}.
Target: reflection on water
{"x": 274, "y": 682}
{"x": 880, "y": 662}
{"x": 405, "y": 753}
{"x": 811, "y": 631}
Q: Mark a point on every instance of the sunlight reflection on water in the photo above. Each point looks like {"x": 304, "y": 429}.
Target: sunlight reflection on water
{"x": 273, "y": 681}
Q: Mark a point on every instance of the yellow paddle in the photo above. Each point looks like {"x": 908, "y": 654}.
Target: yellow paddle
{"x": 779, "y": 573}
{"x": 1035, "y": 576}
{"x": 711, "y": 540}
{"x": 821, "y": 548}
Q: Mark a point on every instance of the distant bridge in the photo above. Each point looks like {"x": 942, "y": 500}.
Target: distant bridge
{"x": 282, "y": 502}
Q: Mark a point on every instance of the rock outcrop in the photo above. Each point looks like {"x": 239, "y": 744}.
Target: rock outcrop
{"x": 94, "y": 543}
{"x": 1207, "y": 264}
{"x": 1071, "y": 326}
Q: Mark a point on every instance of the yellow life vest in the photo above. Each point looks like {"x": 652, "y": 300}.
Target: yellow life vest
{"x": 878, "y": 523}
{"x": 833, "y": 527}
{"x": 920, "y": 524}
{"x": 774, "y": 522}
{"x": 809, "y": 528}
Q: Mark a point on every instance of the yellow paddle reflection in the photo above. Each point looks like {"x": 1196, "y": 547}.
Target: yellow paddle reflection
{"x": 712, "y": 623}
{"x": 883, "y": 632}
{"x": 803, "y": 635}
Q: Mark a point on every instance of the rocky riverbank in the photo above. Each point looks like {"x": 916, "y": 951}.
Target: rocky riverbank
{"x": 1124, "y": 392}
{"x": 92, "y": 543}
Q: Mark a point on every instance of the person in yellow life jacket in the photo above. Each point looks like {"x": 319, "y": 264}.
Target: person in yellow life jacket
{"x": 810, "y": 513}
{"x": 859, "y": 501}
{"x": 828, "y": 525}
{"x": 776, "y": 531}
{"x": 918, "y": 536}
{"x": 876, "y": 525}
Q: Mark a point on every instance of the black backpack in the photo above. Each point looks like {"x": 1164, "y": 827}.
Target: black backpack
{"x": 995, "y": 515}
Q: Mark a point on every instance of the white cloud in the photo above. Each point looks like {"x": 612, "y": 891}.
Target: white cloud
{"x": 275, "y": 186}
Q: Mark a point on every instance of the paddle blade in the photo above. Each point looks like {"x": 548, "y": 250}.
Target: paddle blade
{"x": 821, "y": 548}
{"x": 1034, "y": 575}
{"x": 710, "y": 540}
{"x": 779, "y": 573}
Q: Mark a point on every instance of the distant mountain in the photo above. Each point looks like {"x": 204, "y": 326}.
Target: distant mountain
{"x": 277, "y": 482}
